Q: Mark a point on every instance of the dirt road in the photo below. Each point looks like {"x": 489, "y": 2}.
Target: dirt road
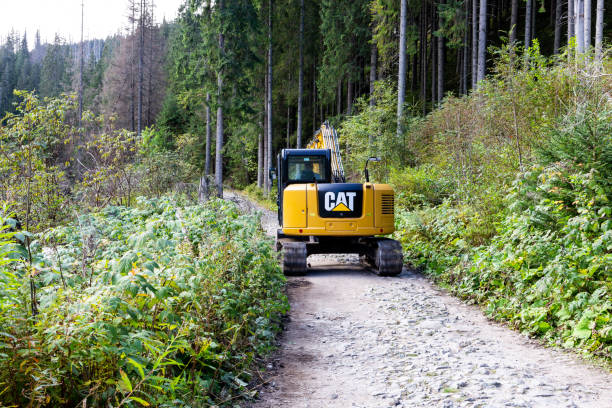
{"x": 358, "y": 340}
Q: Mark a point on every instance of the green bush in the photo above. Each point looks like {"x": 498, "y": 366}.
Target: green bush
{"x": 157, "y": 305}
{"x": 549, "y": 269}
{"x": 419, "y": 186}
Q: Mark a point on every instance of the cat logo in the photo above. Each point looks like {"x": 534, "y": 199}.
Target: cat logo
{"x": 340, "y": 201}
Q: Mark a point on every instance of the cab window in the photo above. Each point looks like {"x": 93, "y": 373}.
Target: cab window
{"x": 306, "y": 168}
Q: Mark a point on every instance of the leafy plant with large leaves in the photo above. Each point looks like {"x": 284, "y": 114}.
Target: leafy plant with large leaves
{"x": 161, "y": 305}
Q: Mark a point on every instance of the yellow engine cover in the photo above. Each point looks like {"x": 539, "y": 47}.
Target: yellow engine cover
{"x": 301, "y": 212}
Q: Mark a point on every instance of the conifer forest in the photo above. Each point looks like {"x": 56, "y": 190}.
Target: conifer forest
{"x": 126, "y": 279}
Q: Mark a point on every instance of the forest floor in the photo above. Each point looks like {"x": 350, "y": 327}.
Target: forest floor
{"x": 354, "y": 339}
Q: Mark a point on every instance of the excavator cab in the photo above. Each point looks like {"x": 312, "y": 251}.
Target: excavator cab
{"x": 319, "y": 213}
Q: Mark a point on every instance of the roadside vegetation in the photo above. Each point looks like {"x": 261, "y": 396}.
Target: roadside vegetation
{"x": 160, "y": 304}
{"x": 504, "y": 196}
{"x": 110, "y": 298}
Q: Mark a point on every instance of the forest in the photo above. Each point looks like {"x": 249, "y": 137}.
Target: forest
{"x": 124, "y": 280}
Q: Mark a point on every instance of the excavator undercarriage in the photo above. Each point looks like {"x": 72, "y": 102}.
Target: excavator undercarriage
{"x": 382, "y": 255}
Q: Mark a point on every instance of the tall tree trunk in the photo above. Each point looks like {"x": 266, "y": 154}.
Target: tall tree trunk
{"x": 141, "y": 65}
{"x": 434, "y": 59}
{"x": 204, "y": 183}
{"x": 288, "y": 135}
{"x": 349, "y": 97}
{"x": 260, "y": 153}
{"x": 267, "y": 170}
{"x": 528, "y": 21}
{"x": 441, "y": 62}
{"x": 373, "y": 58}
{"x": 587, "y": 24}
{"x": 424, "y": 60}
{"x": 314, "y": 95}
{"x": 339, "y": 97}
{"x": 264, "y": 176}
{"x": 301, "y": 78}
{"x": 579, "y": 27}
{"x": 132, "y": 79}
{"x": 533, "y": 22}
{"x": 558, "y": 15}
{"x": 475, "y": 43}
{"x": 466, "y": 50}
{"x": 401, "y": 83}
{"x": 482, "y": 40}
{"x": 220, "y": 100}
{"x": 513, "y": 21}
{"x": 599, "y": 29}
{"x": 571, "y": 20}
{"x": 81, "y": 69}
{"x": 150, "y": 69}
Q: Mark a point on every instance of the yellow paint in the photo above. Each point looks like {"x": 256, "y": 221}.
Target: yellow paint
{"x": 304, "y": 197}
{"x": 341, "y": 207}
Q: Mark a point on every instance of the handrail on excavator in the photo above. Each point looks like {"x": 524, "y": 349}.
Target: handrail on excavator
{"x": 327, "y": 138}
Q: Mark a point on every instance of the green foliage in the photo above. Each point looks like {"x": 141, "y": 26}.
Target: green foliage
{"x": 30, "y": 177}
{"x": 257, "y": 194}
{"x": 157, "y": 305}
{"x": 548, "y": 269}
{"x": 420, "y": 186}
{"x": 379, "y": 123}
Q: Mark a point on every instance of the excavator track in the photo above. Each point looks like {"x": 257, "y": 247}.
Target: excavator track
{"x": 386, "y": 257}
{"x": 294, "y": 258}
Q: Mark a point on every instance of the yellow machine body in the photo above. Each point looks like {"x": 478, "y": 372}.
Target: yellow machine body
{"x": 320, "y": 213}
{"x": 302, "y": 218}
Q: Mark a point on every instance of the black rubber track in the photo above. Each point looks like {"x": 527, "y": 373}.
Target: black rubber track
{"x": 294, "y": 258}
{"x": 388, "y": 259}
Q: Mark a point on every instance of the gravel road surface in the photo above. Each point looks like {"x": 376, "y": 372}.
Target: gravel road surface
{"x": 354, "y": 339}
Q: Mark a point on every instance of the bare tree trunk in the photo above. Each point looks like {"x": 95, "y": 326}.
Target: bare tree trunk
{"x": 401, "y": 83}
{"x": 314, "y": 96}
{"x": 571, "y": 20}
{"x": 528, "y": 20}
{"x": 599, "y": 29}
{"x": 434, "y": 59}
{"x": 513, "y": 21}
{"x": 474, "y": 43}
{"x": 558, "y": 12}
{"x": 466, "y": 50}
{"x": 204, "y": 182}
{"x": 587, "y": 24}
{"x": 288, "y": 124}
{"x": 265, "y": 164}
{"x": 301, "y": 78}
{"x": 441, "y": 62}
{"x": 81, "y": 69}
{"x": 339, "y": 97}
{"x": 579, "y": 28}
{"x": 132, "y": 80}
{"x": 260, "y": 152}
{"x": 349, "y": 97}
{"x": 414, "y": 78}
{"x": 219, "y": 145}
{"x": 150, "y": 70}
{"x": 267, "y": 170}
{"x": 482, "y": 40}
{"x": 141, "y": 64}
{"x": 373, "y": 58}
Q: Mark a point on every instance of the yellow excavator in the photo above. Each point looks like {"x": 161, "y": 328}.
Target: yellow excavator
{"x": 320, "y": 213}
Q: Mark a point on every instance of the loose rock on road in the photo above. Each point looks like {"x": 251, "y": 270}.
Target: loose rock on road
{"x": 355, "y": 339}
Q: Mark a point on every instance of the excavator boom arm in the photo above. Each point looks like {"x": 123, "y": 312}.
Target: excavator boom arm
{"x": 327, "y": 138}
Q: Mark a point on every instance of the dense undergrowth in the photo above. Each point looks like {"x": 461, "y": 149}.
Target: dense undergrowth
{"x": 160, "y": 304}
{"x": 505, "y": 195}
